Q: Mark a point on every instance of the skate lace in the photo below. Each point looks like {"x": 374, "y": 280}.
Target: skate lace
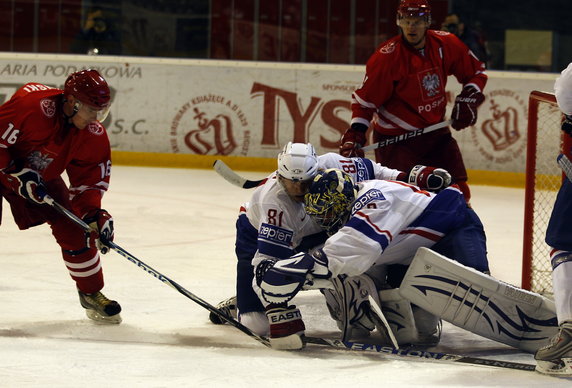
{"x": 227, "y": 304}
{"x": 100, "y": 299}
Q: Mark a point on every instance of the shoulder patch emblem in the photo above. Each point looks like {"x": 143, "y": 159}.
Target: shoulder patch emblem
{"x": 95, "y": 128}
{"x": 388, "y": 48}
{"x": 439, "y": 32}
{"x": 48, "y": 107}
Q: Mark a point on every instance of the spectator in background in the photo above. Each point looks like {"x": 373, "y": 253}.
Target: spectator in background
{"x": 471, "y": 37}
{"x": 98, "y": 35}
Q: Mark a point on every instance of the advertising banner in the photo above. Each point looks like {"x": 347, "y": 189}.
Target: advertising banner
{"x": 252, "y": 109}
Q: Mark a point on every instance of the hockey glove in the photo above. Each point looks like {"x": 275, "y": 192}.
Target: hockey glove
{"x": 465, "y": 109}
{"x": 352, "y": 140}
{"x": 28, "y": 184}
{"x": 102, "y": 224}
{"x": 286, "y": 327}
{"x": 429, "y": 178}
{"x": 567, "y": 124}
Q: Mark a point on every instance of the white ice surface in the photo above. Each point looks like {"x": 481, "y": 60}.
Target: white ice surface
{"x": 181, "y": 222}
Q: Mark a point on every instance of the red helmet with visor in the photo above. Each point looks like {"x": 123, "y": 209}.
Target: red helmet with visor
{"x": 92, "y": 92}
{"x": 414, "y": 8}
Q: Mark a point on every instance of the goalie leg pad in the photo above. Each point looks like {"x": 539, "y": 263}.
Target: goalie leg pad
{"x": 351, "y": 294}
{"x": 397, "y": 311}
{"x": 479, "y": 303}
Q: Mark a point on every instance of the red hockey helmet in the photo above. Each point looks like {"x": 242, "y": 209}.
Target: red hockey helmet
{"x": 89, "y": 87}
{"x": 91, "y": 91}
{"x": 414, "y": 8}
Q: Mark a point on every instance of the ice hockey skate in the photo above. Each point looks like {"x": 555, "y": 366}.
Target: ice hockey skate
{"x": 228, "y": 307}
{"x": 99, "y": 308}
{"x": 556, "y": 357}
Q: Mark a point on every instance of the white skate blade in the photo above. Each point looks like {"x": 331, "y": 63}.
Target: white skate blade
{"x": 290, "y": 342}
{"x": 95, "y": 316}
{"x": 562, "y": 367}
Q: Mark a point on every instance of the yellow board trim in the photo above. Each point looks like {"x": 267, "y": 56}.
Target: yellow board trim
{"x": 267, "y": 165}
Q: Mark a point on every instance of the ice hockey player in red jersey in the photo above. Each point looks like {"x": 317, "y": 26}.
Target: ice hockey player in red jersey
{"x": 404, "y": 90}
{"x": 44, "y": 132}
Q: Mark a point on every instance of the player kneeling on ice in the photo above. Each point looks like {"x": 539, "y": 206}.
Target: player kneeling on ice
{"x": 373, "y": 224}
{"x": 274, "y": 225}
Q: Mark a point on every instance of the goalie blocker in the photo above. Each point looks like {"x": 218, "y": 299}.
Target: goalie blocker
{"x": 479, "y": 303}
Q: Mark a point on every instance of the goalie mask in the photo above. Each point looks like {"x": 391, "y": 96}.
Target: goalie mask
{"x": 330, "y": 199}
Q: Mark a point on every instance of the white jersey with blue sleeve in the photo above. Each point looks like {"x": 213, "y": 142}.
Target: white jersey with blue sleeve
{"x": 389, "y": 221}
{"x": 282, "y": 222}
{"x": 360, "y": 169}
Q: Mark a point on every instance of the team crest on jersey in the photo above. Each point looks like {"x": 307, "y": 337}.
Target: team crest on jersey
{"x": 38, "y": 161}
{"x": 388, "y": 48}
{"x": 48, "y": 107}
{"x": 95, "y": 128}
{"x": 431, "y": 83}
{"x": 439, "y": 32}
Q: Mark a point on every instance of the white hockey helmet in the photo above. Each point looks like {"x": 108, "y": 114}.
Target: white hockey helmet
{"x": 298, "y": 162}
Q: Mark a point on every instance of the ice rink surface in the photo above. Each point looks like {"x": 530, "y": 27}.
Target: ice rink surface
{"x": 181, "y": 222}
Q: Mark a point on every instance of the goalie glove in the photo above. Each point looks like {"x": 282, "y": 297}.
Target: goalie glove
{"x": 102, "y": 224}
{"x": 429, "y": 178}
{"x": 465, "y": 109}
{"x": 567, "y": 125}
{"x": 352, "y": 140}
{"x": 280, "y": 280}
{"x": 28, "y": 184}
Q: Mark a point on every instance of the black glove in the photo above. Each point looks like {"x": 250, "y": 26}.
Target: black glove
{"x": 567, "y": 124}
{"x": 28, "y": 184}
{"x": 102, "y": 224}
{"x": 465, "y": 109}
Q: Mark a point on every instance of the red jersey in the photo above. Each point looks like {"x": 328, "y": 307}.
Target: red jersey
{"x": 35, "y": 134}
{"x": 406, "y": 87}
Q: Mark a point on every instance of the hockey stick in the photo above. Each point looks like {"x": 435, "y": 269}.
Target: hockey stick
{"x": 226, "y": 172}
{"x": 565, "y": 165}
{"x": 408, "y": 135}
{"x": 156, "y": 274}
{"x": 419, "y": 354}
{"x": 336, "y": 344}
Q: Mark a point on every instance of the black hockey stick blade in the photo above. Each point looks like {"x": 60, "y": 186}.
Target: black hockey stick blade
{"x": 565, "y": 165}
{"x": 230, "y": 176}
{"x": 408, "y": 135}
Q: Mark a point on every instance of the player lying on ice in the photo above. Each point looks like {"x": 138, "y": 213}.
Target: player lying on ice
{"x": 274, "y": 225}
{"x": 376, "y": 223}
